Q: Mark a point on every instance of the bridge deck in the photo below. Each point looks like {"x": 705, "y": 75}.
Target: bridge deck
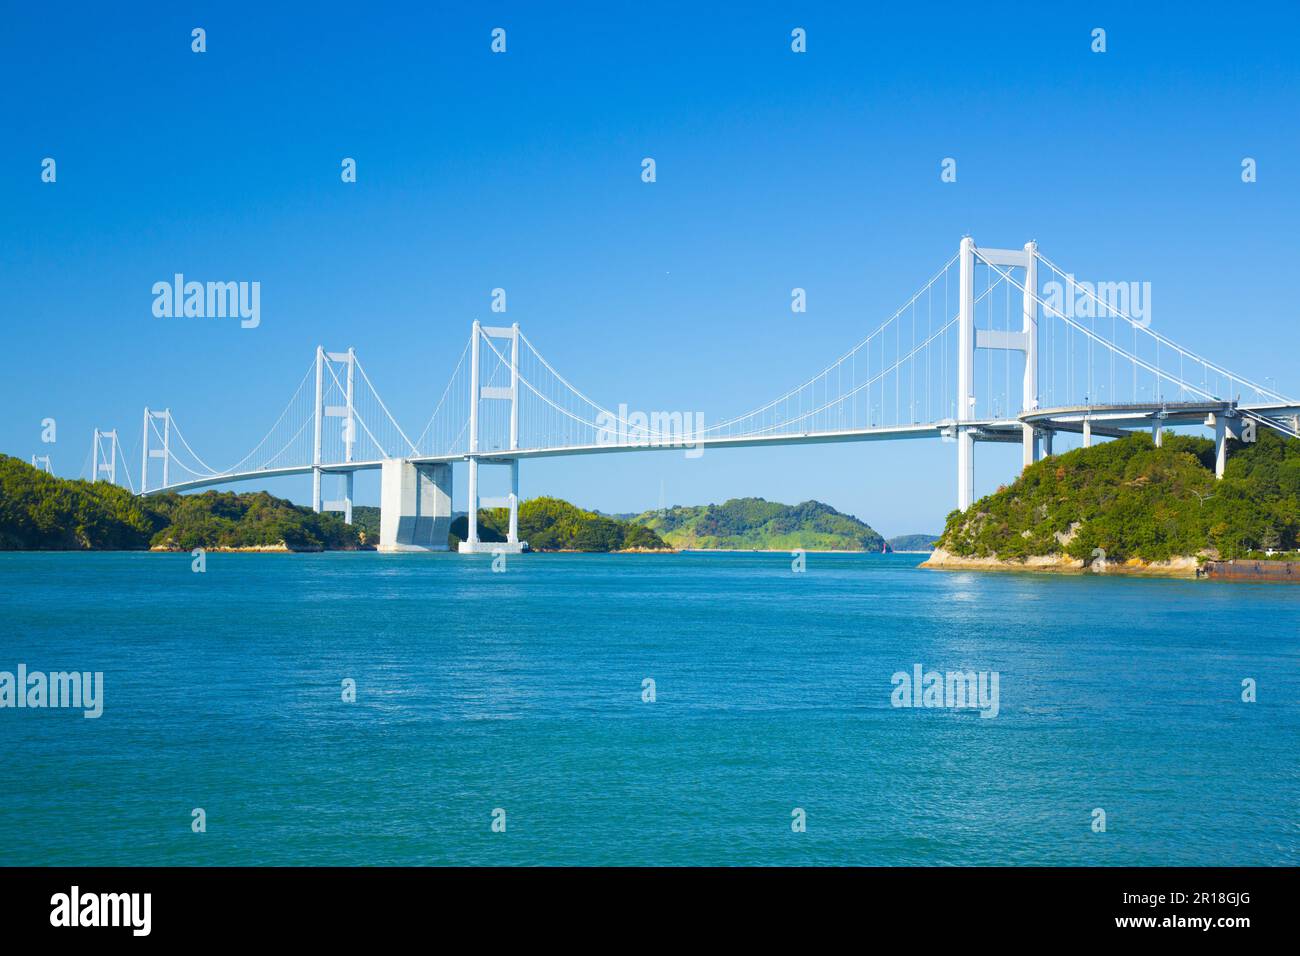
{"x": 1106, "y": 420}
{"x": 991, "y": 430}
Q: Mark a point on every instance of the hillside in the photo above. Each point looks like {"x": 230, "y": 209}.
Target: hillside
{"x": 1135, "y": 501}
{"x": 753, "y": 524}
{"x": 256, "y": 519}
{"x": 913, "y": 542}
{"x": 40, "y": 512}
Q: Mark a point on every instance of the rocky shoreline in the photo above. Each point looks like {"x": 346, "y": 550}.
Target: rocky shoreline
{"x": 1180, "y": 567}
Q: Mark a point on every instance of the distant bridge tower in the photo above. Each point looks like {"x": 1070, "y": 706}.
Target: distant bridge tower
{"x": 104, "y": 462}
{"x": 508, "y": 393}
{"x": 970, "y": 338}
{"x": 162, "y": 434}
{"x": 347, "y": 362}
{"x": 43, "y": 463}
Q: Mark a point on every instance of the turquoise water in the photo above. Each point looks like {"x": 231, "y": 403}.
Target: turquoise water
{"x": 523, "y": 691}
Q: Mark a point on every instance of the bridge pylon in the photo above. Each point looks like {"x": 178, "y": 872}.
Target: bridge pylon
{"x": 479, "y": 392}
{"x": 104, "y": 462}
{"x": 970, "y": 338}
{"x": 326, "y": 361}
{"x": 148, "y": 453}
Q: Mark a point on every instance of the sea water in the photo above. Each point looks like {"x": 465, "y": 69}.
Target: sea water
{"x": 642, "y": 710}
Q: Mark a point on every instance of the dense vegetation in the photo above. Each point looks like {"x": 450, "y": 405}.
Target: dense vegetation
{"x": 217, "y": 519}
{"x": 547, "y": 524}
{"x": 913, "y": 542}
{"x": 755, "y": 524}
{"x": 1133, "y": 500}
{"x": 550, "y": 524}
{"x": 365, "y": 518}
{"x": 41, "y": 512}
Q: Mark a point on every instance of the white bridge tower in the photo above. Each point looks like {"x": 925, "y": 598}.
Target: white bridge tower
{"x": 507, "y": 393}
{"x": 104, "y": 461}
{"x": 328, "y": 362}
{"x": 970, "y": 338}
{"x": 147, "y": 453}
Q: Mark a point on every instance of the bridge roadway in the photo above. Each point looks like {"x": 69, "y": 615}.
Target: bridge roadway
{"x": 987, "y": 430}
{"x": 1109, "y": 421}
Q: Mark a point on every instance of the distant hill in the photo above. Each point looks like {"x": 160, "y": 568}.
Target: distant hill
{"x": 753, "y": 524}
{"x": 913, "y": 542}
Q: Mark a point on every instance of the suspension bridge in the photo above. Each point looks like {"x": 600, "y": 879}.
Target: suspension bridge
{"x": 999, "y": 345}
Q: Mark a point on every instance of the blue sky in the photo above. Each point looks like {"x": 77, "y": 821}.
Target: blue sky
{"x": 522, "y": 171}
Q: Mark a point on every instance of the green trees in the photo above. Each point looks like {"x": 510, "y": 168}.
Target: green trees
{"x": 41, "y": 512}
{"x": 551, "y": 524}
{"x": 1131, "y": 499}
{"x": 227, "y": 520}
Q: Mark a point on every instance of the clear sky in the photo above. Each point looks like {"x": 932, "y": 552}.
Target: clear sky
{"x": 522, "y": 171}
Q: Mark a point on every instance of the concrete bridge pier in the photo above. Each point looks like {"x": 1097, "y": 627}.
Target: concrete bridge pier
{"x": 965, "y": 467}
{"x": 1225, "y": 427}
{"x": 1220, "y": 445}
{"x": 415, "y": 506}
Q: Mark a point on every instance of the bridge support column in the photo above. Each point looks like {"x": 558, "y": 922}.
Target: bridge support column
{"x": 1029, "y": 310}
{"x": 316, "y": 433}
{"x": 965, "y": 369}
{"x": 144, "y": 453}
{"x": 415, "y": 506}
{"x": 1047, "y": 442}
{"x": 471, "y": 507}
{"x": 1029, "y": 446}
{"x": 965, "y": 468}
{"x": 1157, "y": 432}
{"x": 513, "y": 536}
{"x": 1220, "y": 445}
{"x": 1087, "y": 433}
